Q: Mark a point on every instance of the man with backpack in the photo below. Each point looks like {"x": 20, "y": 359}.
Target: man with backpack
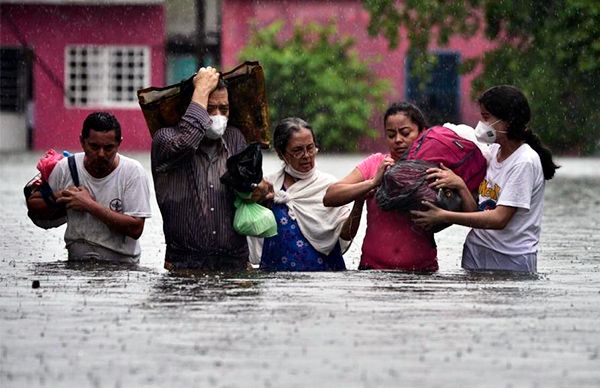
{"x": 104, "y": 195}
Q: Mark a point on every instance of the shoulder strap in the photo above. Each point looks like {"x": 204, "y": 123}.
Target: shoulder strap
{"x": 421, "y": 139}
{"x": 73, "y": 169}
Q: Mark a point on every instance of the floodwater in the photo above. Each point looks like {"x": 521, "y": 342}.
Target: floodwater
{"x": 99, "y": 326}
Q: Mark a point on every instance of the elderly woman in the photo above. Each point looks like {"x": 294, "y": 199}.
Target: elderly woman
{"x": 308, "y": 233}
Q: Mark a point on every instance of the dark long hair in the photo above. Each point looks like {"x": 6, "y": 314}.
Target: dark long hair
{"x": 510, "y": 105}
{"x": 410, "y": 110}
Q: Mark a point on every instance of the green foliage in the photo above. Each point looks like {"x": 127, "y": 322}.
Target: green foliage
{"x": 315, "y": 75}
{"x": 548, "y": 48}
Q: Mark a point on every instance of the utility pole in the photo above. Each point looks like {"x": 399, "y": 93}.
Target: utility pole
{"x": 200, "y": 31}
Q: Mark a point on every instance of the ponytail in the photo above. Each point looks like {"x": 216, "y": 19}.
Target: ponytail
{"x": 548, "y": 165}
{"x": 508, "y": 103}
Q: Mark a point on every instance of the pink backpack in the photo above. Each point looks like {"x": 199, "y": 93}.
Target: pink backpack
{"x": 442, "y": 145}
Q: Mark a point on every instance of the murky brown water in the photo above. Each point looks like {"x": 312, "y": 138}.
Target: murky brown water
{"x": 140, "y": 327}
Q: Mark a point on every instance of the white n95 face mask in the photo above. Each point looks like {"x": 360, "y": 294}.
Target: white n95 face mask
{"x": 485, "y": 133}
{"x": 217, "y": 128}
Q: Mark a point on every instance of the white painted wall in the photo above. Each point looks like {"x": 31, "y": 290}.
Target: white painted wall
{"x": 13, "y": 131}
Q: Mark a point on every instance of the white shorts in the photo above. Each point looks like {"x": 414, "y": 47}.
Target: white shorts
{"x": 478, "y": 258}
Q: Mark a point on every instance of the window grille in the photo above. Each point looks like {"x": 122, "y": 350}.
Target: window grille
{"x": 105, "y": 75}
{"x": 14, "y": 79}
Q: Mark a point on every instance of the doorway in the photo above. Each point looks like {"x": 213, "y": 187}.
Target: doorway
{"x": 15, "y": 98}
{"x": 440, "y": 98}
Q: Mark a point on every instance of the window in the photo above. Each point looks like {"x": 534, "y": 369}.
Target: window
{"x": 105, "y": 75}
{"x": 439, "y": 100}
{"x": 15, "y": 74}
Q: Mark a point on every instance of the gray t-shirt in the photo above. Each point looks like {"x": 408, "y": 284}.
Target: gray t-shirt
{"x": 125, "y": 190}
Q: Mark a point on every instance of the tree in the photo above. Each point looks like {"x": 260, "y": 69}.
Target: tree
{"x": 315, "y": 75}
{"x": 548, "y": 48}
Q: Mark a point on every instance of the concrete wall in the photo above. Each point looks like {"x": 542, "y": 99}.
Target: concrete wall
{"x": 181, "y": 17}
{"x": 49, "y": 28}
{"x": 13, "y": 131}
{"x": 352, "y": 19}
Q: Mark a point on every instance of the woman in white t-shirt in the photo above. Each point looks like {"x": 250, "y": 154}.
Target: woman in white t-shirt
{"x": 507, "y": 220}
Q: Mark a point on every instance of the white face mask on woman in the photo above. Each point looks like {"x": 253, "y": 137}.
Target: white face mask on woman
{"x": 217, "y": 128}
{"x": 485, "y": 133}
{"x": 299, "y": 174}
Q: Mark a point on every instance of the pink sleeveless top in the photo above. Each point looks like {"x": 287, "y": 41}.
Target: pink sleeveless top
{"x": 392, "y": 240}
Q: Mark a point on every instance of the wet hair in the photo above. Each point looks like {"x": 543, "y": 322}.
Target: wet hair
{"x": 411, "y": 111}
{"x": 221, "y": 84}
{"x": 101, "y": 122}
{"x": 510, "y": 105}
{"x": 284, "y": 130}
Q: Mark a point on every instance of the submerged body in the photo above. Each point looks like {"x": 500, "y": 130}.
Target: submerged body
{"x": 507, "y": 225}
{"x": 104, "y": 195}
{"x": 197, "y": 208}
{"x": 125, "y": 190}
{"x": 517, "y": 182}
{"x": 392, "y": 240}
{"x": 308, "y": 233}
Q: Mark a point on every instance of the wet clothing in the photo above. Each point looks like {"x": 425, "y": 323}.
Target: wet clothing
{"x": 392, "y": 240}
{"x": 306, "y": 229}
{"x": 480, "y": 258}
{"x": 80, "y": 250}
{"x": 206, "y": 263}
{"x": 517, "y": 182}
{"x": 290, "y": 251}
{"x": 197, "y": 209}
{"x": 125, "y": 190}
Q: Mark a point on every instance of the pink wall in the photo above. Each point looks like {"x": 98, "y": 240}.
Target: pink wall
{"x": 352, "y": 19}
{"x": 49, "y": 28}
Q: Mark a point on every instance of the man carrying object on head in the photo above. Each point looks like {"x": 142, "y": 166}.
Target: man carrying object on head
{"x": 187, "y": 161}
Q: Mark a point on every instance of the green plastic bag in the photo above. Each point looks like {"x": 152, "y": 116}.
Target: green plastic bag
{"x": 252, "y": 219}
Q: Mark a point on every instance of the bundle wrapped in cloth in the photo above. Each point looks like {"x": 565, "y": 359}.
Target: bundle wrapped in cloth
{"x": 248, "y": 108}
{"x": 404, "y": 185}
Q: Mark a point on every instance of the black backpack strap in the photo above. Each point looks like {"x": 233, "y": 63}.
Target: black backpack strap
{"x": 47, "y": 194}
{"x": 44, "y": 189}
{"x": 29, "y": 186}
{"x": 73, "y": 169}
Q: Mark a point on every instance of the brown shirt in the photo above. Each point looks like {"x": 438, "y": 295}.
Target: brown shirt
{"x": 197, "y": 209}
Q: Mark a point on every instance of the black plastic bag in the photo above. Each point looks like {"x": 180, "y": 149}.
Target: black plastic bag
{"x": 404, "y": 186}
{"x": 244, "y": 170}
